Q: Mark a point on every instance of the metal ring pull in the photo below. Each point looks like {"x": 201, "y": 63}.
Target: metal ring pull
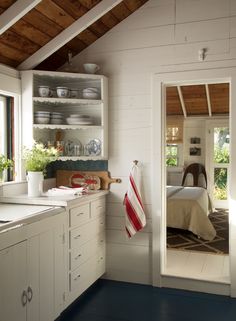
{"x": 29, "y": 293}
{"x": 23, "y": 298}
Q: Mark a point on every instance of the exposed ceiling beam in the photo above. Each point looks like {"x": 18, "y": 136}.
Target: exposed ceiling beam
{"x": 69, "y": 33}
{"x": 15, "y": 12}
{"x": 182, "y": 101}
{"x": 208, "y": 100}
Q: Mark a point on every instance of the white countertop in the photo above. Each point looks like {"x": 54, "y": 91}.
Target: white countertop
{"x": 52, "y": 200}
{"x": 15, "y": 214}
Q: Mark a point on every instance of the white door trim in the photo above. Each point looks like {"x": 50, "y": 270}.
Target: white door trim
{"x": 158, "y": 163}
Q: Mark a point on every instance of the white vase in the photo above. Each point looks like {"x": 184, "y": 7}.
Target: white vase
{"x": 35, "y": 184}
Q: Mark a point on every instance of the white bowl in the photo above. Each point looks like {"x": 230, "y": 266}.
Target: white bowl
{"x": 91, "y": 90}
{"x": 44, "y": 91}
{"x": 91, "y": 68}
{"x": 42, "y": 113}
{"x": 90, "y": 95}
{"x": 71, "y": 121}
{"x": 62, "y": 92}
{"x": 56, "y": 116}
{"x": 56, "y": 121}
{"x": 42, "y": 120}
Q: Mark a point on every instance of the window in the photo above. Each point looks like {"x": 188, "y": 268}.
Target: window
{"x": 174, "y": 140}
{"x": 7, "y": 132}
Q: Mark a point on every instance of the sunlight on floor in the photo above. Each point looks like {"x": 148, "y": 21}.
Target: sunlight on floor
{"x": 201, "y": 266}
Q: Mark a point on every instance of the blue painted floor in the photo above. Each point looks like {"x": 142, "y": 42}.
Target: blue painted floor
{"x": 119, "y": 301}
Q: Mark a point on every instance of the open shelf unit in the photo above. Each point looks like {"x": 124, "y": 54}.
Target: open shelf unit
{"x": 74, "y": 134}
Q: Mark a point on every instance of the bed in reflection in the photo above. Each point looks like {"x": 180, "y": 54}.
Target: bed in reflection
{"x": 188, "y": 208}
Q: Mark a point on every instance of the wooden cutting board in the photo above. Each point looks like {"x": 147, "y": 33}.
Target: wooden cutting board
{"x": 65, "y": 177}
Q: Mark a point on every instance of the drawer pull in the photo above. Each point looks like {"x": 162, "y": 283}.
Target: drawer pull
{"x": 101, "y": 223}
{"x": 101, "y": 241}
{"x": 100, "y": 206}
{"x": 77, "y": 237}
{"x": 76, "y": 278}
{"x": 79, "y": 255}
{"x": 80, "y": 214}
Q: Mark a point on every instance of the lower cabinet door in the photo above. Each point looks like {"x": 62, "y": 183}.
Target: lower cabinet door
{"x": 40, "y": 277}
{"x": 13, "y": 283}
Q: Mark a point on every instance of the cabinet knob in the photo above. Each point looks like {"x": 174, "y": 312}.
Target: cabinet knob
{"x": 80, "y": 214}
{"x": 79, "y": 255}
{"x": 23, "y": 298}
{"x": 77, "y": 237}
{"x": 29, "y": 293}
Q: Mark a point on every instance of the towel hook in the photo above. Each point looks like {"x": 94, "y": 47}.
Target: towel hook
{"x": 135, "y": 162}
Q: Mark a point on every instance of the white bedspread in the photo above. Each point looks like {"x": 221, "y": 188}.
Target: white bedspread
{"x": 188, "y": 209}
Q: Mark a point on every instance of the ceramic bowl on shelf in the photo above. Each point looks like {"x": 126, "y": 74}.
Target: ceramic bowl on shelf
{"x": 56, "y": 121}
{"x": 90, "y": 95}
{"x": 41, "y": 120}
{"x": 91, "y": 68}
{"x": 62, "y": 92}
{"x": 44, "y": 91}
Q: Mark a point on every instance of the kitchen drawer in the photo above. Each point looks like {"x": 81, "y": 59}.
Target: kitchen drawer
{"x": 86, "y": 232}
{"x": 99, "y": 225}
{"x": 80, "y": 235}
{"x": 79, "y": 215}
{"x": 98, "y": 243}
{"x": 81, "y": 278}
{"x": 79, "y": 255}
{"x": 98, "y": 207}
{"x": 98, "y": 263}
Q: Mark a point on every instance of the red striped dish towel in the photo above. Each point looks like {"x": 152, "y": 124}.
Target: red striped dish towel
{"x": 135, "y": 218}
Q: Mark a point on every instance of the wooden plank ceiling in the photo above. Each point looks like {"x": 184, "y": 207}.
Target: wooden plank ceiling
{"x": 195, "y": 101}
{"x": 50, "y": 17}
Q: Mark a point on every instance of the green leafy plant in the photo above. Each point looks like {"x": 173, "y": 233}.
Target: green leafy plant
{"x": 221, "y": 155}
{"x": 38, "y": 157}
{"x": 5, "y": 163}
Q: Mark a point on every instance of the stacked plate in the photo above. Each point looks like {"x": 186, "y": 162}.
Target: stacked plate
{"x": 56, "y": 118}
{"x": 42, "y": 117}
{"x": 91, "y": 93}
{"x": 78, "y": 119}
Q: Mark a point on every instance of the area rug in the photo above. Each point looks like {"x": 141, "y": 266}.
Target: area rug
{"x": 185, "y": 240}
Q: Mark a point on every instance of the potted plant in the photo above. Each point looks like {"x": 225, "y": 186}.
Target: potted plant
{"x": 36, "y": 160}
{"x": 5, "y": 163}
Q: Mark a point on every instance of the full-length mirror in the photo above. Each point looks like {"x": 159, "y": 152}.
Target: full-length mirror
{"x": 197, "y": 161}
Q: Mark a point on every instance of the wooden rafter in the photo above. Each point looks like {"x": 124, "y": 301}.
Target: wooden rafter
{"x": 15, "y": 12}
{"x": 182, "y": 101}
{"x": 69, "y": 33}
{"x": 208, "y": 100}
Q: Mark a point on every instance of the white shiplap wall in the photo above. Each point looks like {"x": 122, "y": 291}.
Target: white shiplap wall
{"x": 161, "y": 34}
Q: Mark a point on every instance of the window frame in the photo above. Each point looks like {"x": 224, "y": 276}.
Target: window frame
{"x": 17, "y": 135}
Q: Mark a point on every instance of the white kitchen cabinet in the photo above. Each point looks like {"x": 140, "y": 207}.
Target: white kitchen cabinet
{"x": 32, "y": 272}
{"x": 96, "y": 109}
{"x": 86, "y": 246}
{"x": 13, "y": 283}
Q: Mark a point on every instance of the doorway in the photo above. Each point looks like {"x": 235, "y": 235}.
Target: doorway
{"x": 197, "y": 133}
{"x": 160, "y": 278}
